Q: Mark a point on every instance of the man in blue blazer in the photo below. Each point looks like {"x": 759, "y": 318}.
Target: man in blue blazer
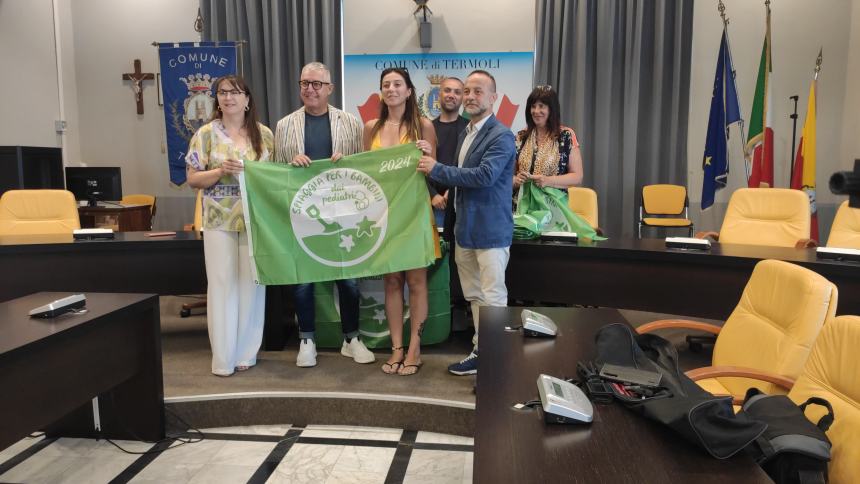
{"x": 484, "y": 224}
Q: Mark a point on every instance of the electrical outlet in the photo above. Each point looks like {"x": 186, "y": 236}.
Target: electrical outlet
{"x": 60, "y": 126}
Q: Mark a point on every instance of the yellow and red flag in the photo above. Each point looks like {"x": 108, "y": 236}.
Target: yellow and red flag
{"x": 803, "y": 176}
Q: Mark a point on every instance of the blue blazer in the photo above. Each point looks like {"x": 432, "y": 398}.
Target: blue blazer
{"x": 483, "y": 187}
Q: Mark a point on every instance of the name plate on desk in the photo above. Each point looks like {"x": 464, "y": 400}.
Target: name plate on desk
{"x": 837, "y": 253}
{"x": 92, "y": 234}
{"x": 687, "y": 243}
{"x": 560, "y": 236}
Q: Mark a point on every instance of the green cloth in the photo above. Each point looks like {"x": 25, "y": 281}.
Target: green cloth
{"x": 546, "y": 210}
{"x": 372, "y": 322}
{"x": 366, "y": 215}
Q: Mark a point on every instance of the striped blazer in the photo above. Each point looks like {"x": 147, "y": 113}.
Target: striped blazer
{"x": 346, "y": 134}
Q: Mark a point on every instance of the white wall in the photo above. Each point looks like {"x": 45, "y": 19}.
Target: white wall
{"x": 388, "y": 27}
{"x": 798, "y": 28}
{"x": 29, "y": 80}
{"x": 99, "y": 40}
{"x": 108, "y": 36}
{"x": 851, "y": 118}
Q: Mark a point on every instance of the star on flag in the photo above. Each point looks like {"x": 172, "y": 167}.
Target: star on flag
{"x": 346, "y": 242}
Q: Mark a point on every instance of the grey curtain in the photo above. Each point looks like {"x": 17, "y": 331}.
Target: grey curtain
{"x": 622, "y": 71}
{"x": 282, "y": 36}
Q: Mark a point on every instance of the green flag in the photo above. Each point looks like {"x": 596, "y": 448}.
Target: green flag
{"x": 367, "y": 214}
{"x": 546, "y": 210}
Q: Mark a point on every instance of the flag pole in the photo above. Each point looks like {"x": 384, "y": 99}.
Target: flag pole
{"x": 793, "y": 117}
{"x": 721, "y": 7}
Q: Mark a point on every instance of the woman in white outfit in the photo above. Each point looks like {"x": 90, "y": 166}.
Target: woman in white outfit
{"x": 235, "y": 304}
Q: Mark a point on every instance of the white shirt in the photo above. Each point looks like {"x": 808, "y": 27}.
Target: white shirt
{"x": 471, "y": 133}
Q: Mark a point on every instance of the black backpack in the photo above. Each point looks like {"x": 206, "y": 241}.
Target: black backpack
{"x": 792, "y": 450}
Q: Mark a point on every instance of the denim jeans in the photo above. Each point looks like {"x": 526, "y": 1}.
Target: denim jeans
{"x": 348, "y": 298}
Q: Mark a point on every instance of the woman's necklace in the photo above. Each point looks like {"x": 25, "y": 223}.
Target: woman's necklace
{"x": 393, "y": 123}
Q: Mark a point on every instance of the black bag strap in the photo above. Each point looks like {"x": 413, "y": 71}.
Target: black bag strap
{"x": 811, "y": 477}
{"x": 825, "y": 421}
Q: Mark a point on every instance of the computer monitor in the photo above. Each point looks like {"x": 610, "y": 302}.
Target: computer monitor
{"x": 94, "y": 183}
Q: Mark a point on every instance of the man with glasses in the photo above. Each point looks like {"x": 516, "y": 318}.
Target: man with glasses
{"x": 316, "y": 131}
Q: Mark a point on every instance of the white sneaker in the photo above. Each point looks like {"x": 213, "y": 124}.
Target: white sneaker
{"x": 307, "y": 354}
{"x": 356, "y": 350}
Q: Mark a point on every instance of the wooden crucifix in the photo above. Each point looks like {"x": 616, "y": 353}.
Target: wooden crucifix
{"x": 137, "y": 77}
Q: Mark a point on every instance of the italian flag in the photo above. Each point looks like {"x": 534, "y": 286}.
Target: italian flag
{"x": 803, "y": 176}
{"x": 759, "y": 149}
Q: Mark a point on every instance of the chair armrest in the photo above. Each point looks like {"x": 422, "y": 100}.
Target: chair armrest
{"x": 711, "y": 234}
{"x": 740, "y": 372}
{"x": 806, "y": 244}
{"x": 678, "y": 324}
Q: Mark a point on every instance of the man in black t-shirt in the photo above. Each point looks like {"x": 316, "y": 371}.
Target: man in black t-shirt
{"x": 448, "y": 126}
{"x": 317, "y": 131}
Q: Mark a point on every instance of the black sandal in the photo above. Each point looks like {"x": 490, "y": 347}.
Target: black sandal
{"x": 394, "y": 368}
{"x": 403, "y": 372}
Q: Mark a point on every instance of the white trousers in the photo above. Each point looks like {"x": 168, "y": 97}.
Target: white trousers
{"x": 482, "y": 277}
{"x": 235, "y": 306}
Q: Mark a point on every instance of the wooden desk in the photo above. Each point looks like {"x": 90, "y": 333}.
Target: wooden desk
{"x": 131, "y": 262}
{"x": 121, "y": 218}
{"x": 646, "y": 276}
{"x": 619, "y": 446}
{"x": 51, "y": 369}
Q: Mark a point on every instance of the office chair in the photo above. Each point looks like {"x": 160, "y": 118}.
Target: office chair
{"x": 832, "y": 372}
{"x": 772, "y": 329}
{"x": 777, "y": 217}
{"x": 31, "y": 212}
{"x": 583, "y": 202}
{"x": 662, "y": 207}
{"x": 141, "y": 199}
{"x": 198, "y": 226}
{"x": 845, "y": 232}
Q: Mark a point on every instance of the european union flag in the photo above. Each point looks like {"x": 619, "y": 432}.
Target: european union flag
{"x": 725, "y": 110}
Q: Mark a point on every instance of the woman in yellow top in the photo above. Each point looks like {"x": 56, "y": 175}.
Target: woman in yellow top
{"x": 400, "y": 122}
{"x": 234, "y": 303}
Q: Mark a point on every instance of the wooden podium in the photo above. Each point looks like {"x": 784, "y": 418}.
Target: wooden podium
{"x": 120, "y": 218}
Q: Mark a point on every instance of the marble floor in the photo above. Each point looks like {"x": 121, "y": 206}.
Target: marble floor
{"x": 256, "y": 454}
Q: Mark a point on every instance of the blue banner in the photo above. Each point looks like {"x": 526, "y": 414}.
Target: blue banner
{"x": 188, "y": 73}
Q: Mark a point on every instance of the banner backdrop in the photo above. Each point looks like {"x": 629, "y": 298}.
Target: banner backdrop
{"x": 188, "y": 70}
{"x": 366, "y": 215}
{"x": 512, "y": 70}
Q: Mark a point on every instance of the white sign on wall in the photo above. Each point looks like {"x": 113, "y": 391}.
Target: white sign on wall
{"x": 512, "y": 71}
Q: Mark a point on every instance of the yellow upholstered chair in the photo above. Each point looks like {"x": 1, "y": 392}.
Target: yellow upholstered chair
{"x": 766, "y": 216}
{"x": 845, "y": 232}
{"x": 27, "y": 212}
{"x": 832, "y": 372}
{"x": 583, "y": 202}
{"x": 663, "y": 206}
{"x": 772, "y": 329}
{"x": 140, "y": 199}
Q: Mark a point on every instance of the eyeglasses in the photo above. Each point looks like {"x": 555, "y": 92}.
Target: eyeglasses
{"x": 234, "y": 92}
{"x": 544, "y": 87}
{"x": 317, "y": 85}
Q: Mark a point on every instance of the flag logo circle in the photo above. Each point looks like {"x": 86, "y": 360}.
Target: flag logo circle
{"x": 339, "y": 217}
